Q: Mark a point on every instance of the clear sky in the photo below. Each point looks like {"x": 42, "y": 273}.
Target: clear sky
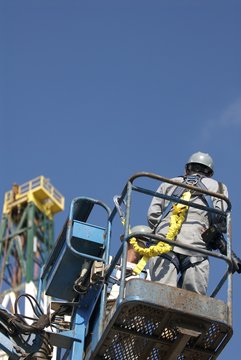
{"x": 92, "y": 92}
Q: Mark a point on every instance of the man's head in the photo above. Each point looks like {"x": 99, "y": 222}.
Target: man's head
{"x": 132, "y": 255}
{"x": 201, "y": 163}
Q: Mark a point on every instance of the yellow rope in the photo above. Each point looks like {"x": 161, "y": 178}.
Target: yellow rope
{"x": 176, "y": 220}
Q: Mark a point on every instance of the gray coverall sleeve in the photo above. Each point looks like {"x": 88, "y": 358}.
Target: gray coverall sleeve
{"x": 156, "y": 208}
{"x": 218, "y": 203}
{"x": 221, "y": 205}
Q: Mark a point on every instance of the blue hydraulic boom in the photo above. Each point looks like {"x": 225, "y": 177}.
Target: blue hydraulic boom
{"x": 146, "y": 320}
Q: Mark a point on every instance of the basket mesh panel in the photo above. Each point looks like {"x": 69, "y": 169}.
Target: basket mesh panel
{"x": 142, "y": 332}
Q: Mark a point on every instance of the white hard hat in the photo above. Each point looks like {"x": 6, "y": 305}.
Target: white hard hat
{"x": 141, "y": 228}
{"x": 203, "y": 159}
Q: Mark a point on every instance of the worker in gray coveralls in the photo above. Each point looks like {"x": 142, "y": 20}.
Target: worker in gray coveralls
{"x": 192, "y": 267}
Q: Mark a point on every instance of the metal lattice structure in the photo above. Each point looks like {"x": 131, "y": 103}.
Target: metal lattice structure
{"x": 27, "y": 232}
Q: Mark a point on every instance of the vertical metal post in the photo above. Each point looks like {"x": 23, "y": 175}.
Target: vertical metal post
{"x": 125, "y": 245}
{"x": 230, "y": 275}
{"x": 104, "y": 290}
{"x": 30, "y": 236}
{"x": 3, "y": 228}
{"x": 50, "y": 234}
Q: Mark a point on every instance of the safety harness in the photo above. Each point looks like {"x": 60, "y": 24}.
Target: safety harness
{"x": 183, "y": 262}
{"x": 194, "y": 180}
{"x": 176, "y": 220}
{"x": 164, "y": 250}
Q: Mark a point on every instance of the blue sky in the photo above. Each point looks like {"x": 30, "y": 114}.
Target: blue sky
{"x": 93, "y": 91}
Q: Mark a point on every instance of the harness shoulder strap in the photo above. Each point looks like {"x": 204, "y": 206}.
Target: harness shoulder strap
{"x": 178, "y": 191}
{"x": 195, "y": 180}
{"x": 207, "y": 199}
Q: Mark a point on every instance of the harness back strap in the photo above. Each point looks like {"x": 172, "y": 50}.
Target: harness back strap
{"x": 208, "y": 200}
{"x": 182, "y": 262}
{"x": 195, "y": 180}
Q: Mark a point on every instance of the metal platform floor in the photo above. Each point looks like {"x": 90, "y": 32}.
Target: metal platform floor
{"x": 156, "y": 321}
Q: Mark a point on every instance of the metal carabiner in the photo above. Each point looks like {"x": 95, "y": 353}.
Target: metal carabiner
{"x": 191, "y": 180}
{"x": 121, "y": 213}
